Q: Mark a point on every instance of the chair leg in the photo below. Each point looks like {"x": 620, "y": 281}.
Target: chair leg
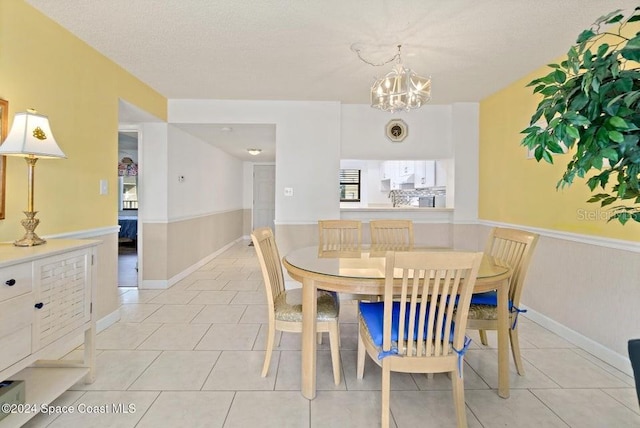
{"x": 483, "y": 337}
{"x": 267, "y": 356}
{"x": 386, "y": 392}
{"x": 458, "y": 399}
{"x": 334, "y": 344}
{"x": 515, "y": 350}
{"x": 361, "y": 357}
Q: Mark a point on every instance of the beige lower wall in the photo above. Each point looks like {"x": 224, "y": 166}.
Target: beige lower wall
{"x": 590, "y": 289}
{"x": 155, "y": 250}
{"x": 247, "y": 221}
{"x": 171, "y": 248}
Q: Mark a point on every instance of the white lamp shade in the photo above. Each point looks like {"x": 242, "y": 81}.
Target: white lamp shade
{"x": 31, "y": 134}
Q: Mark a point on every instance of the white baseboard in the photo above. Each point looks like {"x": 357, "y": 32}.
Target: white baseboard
{"x": 162, "y": 284}
{"x": 154, "y": 284}
{"x": 108, "y": 320}
{"x": 610, "y": 357}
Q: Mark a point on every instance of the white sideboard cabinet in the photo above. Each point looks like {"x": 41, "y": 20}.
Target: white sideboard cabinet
{"x": 46, "y": 311}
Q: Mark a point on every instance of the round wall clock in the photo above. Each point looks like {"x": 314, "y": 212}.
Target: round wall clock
{"x": 396, "y": 130}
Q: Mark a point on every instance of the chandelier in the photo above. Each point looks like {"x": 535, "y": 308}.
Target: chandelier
{"x": 400, "y": 89}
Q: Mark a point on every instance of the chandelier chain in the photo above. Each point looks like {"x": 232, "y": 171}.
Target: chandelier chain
{"x": 380, "y": 64}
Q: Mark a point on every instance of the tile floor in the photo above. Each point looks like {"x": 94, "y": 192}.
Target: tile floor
{"x": 191, "y": 356}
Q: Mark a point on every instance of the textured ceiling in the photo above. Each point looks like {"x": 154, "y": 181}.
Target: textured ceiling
{"x": 302, "y": 49}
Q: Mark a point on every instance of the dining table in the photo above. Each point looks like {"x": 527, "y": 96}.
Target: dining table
{"x": 361, "y": 271}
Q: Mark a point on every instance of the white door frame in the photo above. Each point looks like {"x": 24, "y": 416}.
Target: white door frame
{"x": 139, "y": 246}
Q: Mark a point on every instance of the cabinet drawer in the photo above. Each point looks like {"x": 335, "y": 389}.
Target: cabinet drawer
{"x": 14, "y": 281}
{"x": 15, "y": 347}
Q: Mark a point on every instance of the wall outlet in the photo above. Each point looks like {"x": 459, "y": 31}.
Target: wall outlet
{"x": 288, "y": 191}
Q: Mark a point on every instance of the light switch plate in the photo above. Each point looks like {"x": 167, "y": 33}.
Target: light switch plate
{"x": 104, "y": 187}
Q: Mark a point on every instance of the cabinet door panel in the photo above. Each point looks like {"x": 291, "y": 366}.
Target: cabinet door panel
{"x": 61, "y": 287}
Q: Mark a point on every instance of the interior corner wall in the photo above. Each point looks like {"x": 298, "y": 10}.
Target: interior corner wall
{"x": 465, "y": 137}
{"x": 579, "y": 278}
{"x": 193, "y": 202}
{"x": 43, "y": 66}
{"x": 202, "y": 179}
{"x": 247, "y": 197}
{"x": 307, "y": 150}
{"x": 516, "y": 189}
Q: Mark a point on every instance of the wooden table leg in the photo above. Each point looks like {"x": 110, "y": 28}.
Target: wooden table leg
{"x": 503, "y": 339}
{"x": 309, "y": 310}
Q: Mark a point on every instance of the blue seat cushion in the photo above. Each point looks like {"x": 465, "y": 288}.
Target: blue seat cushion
{"x": 373, "y": 315}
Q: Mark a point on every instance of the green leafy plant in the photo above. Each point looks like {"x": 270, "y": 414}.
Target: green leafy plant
{"x": 590, "y": 107}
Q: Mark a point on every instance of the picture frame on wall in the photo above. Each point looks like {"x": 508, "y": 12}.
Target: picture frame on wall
{"x": 4, "y": 129}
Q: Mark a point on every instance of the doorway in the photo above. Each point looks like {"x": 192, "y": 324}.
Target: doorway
{"x": 128, "y": 197}
{"x": 264, "y": 196}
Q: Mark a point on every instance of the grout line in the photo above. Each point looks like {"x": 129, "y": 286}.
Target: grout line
{"x": 149, "y": 408}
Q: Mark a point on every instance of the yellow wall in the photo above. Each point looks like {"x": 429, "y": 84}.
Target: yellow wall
{"x": 521, "y": 191}
{"x": 43, "y": 66}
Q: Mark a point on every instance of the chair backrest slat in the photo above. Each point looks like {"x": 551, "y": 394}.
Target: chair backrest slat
{"x": 391, "y": 234}
{"x": 340, "y": 235}
{"x": 435, "y": 290}
{"x": 515, "y": 247}
{"x": 269, "y": 258}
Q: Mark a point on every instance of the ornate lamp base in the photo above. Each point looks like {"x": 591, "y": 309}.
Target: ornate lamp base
{"x": 30, "y": 238}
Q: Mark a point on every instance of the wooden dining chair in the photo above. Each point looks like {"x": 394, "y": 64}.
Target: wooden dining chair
{"x": 339, "y": 235}
{"x": 515, "y": 248}
{"x": 285, "y": 306}
{"x": 420, "y": 325}
{"x": 391, "y": 234}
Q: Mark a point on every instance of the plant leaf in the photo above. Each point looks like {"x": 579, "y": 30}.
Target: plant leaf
{"x": 610, "y": 154}
{"x": 616, "y": 136}
{"x": 632, "y": 49}
{"x": 602, "y": 49}
{"x": 615, "y": 19}
{"x": 572, "y": 132}
{"x": 619, "y": 123}
{"x": 585, "y": 35}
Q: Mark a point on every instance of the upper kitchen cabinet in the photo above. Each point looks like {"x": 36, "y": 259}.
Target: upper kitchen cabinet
{"x": 388, "y": 170}
{"x": 413, "y": 174}
{"x": 425, "y": 174}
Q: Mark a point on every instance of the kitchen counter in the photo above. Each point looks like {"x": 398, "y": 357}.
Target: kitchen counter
{"x": 417, "y": 214}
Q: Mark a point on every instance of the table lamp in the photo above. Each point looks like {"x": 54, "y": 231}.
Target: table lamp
{"x": 30, "y": 137}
